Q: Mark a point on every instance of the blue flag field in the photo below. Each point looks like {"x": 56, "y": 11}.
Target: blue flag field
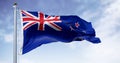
{"x": 40, "y": 28}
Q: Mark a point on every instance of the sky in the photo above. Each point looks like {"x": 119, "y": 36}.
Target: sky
{"x": 104, "y": 15}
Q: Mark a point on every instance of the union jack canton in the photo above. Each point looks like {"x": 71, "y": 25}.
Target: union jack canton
{"x": 41, "y": 20}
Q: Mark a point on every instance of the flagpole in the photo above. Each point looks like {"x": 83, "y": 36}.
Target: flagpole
{"x": 15, "y": 34}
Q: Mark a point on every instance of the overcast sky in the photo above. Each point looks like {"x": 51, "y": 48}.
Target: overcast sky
{"x": 105, "y": 18}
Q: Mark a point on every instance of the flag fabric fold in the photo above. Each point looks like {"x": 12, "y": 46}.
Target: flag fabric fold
{"x": 39, "y": 29}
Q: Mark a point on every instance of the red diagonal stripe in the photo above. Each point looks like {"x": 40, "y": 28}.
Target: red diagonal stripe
{"x": 29, "y": 25}
{"x": 56, "y": 26}
{"x": 26, "y": 14}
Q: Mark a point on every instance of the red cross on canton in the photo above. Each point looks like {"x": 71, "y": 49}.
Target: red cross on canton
{"x": 41, "y": 20}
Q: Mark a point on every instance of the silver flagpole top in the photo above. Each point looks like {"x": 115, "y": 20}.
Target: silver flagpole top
{"x": 15, "y": 4}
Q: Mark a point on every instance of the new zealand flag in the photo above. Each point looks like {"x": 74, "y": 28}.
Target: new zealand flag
{"x": 40, "y": 29}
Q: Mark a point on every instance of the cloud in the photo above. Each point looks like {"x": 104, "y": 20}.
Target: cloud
{"x": 107, "y": 29}
{"x": 3, "y": 61}
{"x": 8, "y": 38}
{"x": 110, "y": 19}
{"x": 6, "y": 25}
{"x": 24, "y": 60}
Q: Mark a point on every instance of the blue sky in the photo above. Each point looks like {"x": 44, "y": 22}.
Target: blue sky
{"x": 104, "y": 16}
